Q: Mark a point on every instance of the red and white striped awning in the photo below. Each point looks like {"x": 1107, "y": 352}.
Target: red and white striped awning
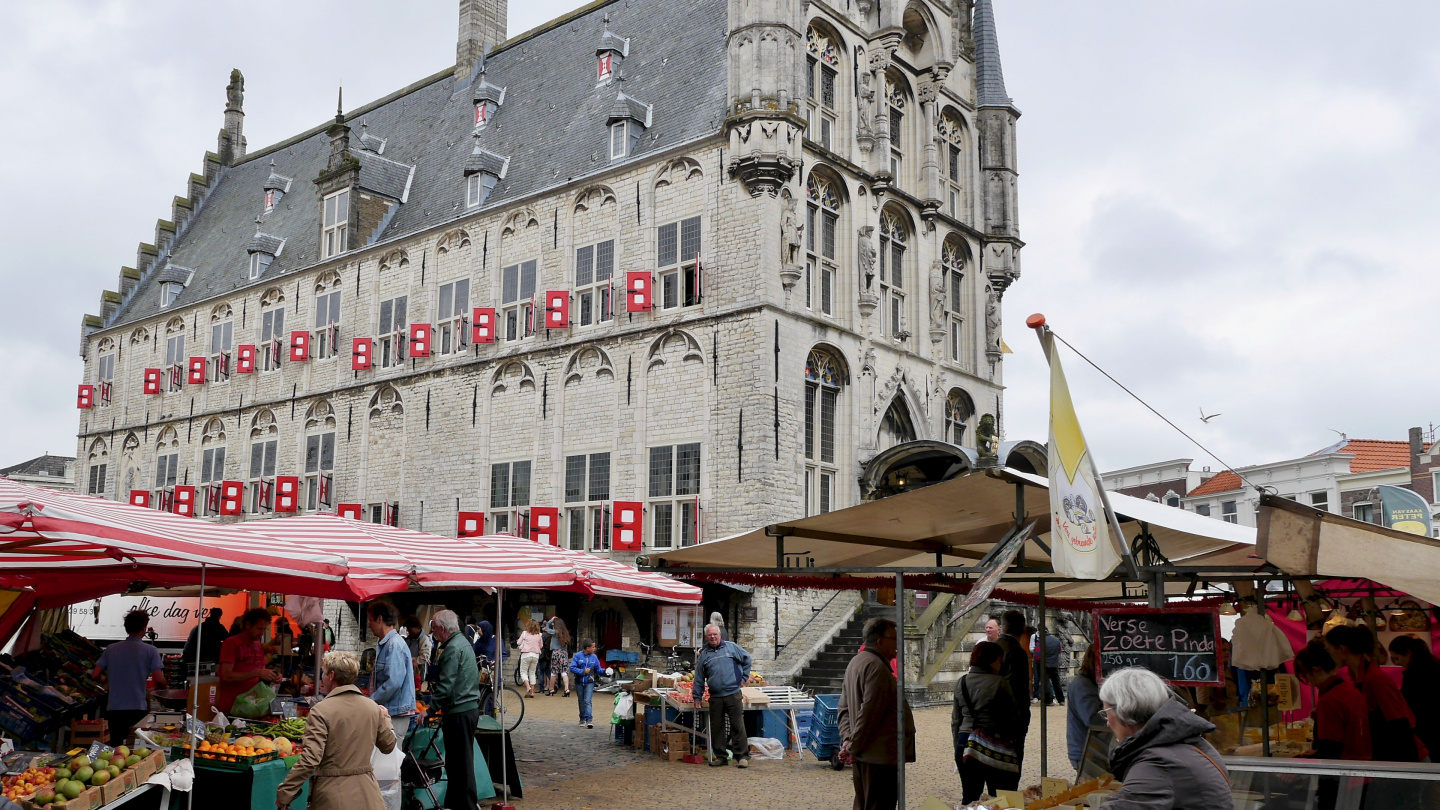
{"x": 603, "y": 576}
{"x": 385, "y": 558}
{"x": 61, "y": 542}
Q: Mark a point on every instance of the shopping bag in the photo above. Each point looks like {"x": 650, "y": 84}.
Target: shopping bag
{"x": 255, "y": 702}
{"x": 624, "y": 708}
{"x": 766, "y": 748}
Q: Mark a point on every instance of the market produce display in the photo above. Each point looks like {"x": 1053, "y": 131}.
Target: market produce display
{"x": 292, "y": 729}
{"x": 28, "y": 781}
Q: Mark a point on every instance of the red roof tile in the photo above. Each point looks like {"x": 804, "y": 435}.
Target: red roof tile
{"x": 1375, "y": 454}
{"x": 1223, "y": 481}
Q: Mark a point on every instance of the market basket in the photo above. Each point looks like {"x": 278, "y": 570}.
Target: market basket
{"x": 229, "y": 762}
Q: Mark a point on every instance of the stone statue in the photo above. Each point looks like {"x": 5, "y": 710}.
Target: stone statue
{"x": 985, "y": 439}
{"x": 792, "y": 229}
{"x": 235, "y": 91}
{"x": 937, "y": 296}
{"x": 867, "y": 258}
{"x": 867, "y": 101}
{"x": 992, "y": 320}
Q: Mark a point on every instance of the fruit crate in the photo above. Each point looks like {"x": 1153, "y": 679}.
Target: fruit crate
{"x": 229, "y": 762}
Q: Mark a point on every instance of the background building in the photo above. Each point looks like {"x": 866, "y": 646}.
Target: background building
{"x": 695, "y": 265}
{"x": 51, "y": 472}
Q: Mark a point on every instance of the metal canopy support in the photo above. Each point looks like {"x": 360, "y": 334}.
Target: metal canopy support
{"x": 1044, "y": 684}
{"x": 901, "y": 748}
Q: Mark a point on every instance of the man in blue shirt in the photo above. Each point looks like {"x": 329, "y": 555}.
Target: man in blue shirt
{"x": 392, "y": 681}
{"x": 725, "y": 667}
{"x": 127, "y": 664}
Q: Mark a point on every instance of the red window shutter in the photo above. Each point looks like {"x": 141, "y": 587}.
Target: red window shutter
{"x": 197, "y": 371}
{"x": 212, "y": 499}
{"x": 139, "y": 497}
{"x": 627, "y": 525}
{"x": 470, "y": 524}
{"x": 361, "y": 352}
{"x": 484, "y": 325}
{"x": 557, "y": 309}
{"x": 327, "y": 485}
{"x": 350, "y": 510}
{"x": 232, "y": 497}
{"x": 245, "y": 359}
{"x": 639, "y": 292}
{"x": 85, "y": 397}
{"x": 299, "y": 347}
{"x": 183, "y": 503}
{"x": 545, "y": 525}
{"x": 392, "y": 513}
{"x": 152, "y": 381}
{"x": 419, "y": 340}
{"x": 287, "y": 493}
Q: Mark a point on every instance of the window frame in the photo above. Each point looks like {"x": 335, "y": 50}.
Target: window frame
{"x": 822, "y": 228}
{"x": 587, "y": 510}
{"x": 680, "y": 275}
{"x": 99, "y": 473}
{"x": 503, "y": 510}
{"x": 326, "y": 337}
{"x": 208, "y": 458}
{"x": 822, "y": 85}
{"x": 665, "y": 500}
{"x": 264, "y": 483}
{"x": 451, "y": 335}
{"x": 621, "y": 130}
{"x": 893, "y": 249}
{"x": 273, "y": 347}
{"x": 516, "y": 318}
{"x": 104, "y": 377}
{"x": 259, "y": 263}
{"x": 169, "y": 291}
{"x": 334, "y": 229}
{"x": 391, "y": 342}
{"x": 322, "y": 468}
{"x": 821, "y": 449}
{"x": 220, "y": 355}
{"x": 594, "y": 296}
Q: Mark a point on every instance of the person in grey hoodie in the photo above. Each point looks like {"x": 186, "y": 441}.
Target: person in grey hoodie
{"x": 1161, "y": 756}
{"x": 984, "y": 704}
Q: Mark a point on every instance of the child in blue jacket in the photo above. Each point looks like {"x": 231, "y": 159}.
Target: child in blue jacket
{"x": 585, "y": 666}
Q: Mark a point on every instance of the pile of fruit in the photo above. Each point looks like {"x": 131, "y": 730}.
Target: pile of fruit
{"x": 248, "y": 746}
{"x": 755, "y": 680}
{"x": 81, "y": 773}
{"x": 23, "y": 784}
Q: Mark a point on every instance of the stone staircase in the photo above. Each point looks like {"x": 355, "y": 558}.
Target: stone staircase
{"x": 825, "y": 673}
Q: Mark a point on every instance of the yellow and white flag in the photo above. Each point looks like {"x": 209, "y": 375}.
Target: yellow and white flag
{"x": 1080, "y": 542}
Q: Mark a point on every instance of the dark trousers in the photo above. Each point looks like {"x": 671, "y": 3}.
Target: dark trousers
{"x": 121, "y": 722}
{"x": 877, "y": 787}
{"x": 722, "y": 709}
{"x": 1053, "y": 692}
{"x": 458, "y": 731}
{"x": 976, "y": 777}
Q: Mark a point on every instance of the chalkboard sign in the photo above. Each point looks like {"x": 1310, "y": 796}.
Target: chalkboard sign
{"x": 1179, "y": 644}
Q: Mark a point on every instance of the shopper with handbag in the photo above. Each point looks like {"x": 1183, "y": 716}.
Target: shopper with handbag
{"x": 982, "y": 723}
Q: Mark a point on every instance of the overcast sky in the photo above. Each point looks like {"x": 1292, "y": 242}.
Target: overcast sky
{"x": 1229, "y": 205}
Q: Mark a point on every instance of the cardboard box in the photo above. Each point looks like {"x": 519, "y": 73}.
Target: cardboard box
{"x": 127, "y": 777}
{"x": 93, "y": 798}
{"x": 676, "y": 753}
{"x": 157, "y": 758}
{"x": 112, "y": 790}
{"x": 754, "y": 696}
{"x": 143, "y": 770}
{"x": 657, "y": 741}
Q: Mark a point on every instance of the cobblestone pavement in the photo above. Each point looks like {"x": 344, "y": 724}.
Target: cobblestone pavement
{"x": 566, "y": 767}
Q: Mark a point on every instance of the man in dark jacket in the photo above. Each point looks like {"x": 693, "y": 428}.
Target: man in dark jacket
{"x": 1015, "y": 669}
{"x": 724, "y": 666}
{"x": 866, "y": 718}
{"x": 1162, "y": 756}
{"x": 456, "y": 693}
{"x": 1048, "y": 644}
{"x": 211, "y": 636}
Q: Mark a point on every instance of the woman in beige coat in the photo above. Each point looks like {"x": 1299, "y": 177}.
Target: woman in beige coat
{"x": 340, "y": 734}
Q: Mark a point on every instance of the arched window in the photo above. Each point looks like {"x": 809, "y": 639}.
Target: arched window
{"x": 897, "y": 99}
{"x": 99, "y": 466}
{"x": 894, "y": 233}
{"x": 319, "y": 455}
{"x": 824, "y": 378}
{"x": 264, "y": 443}
{"x": 958, "y": 411}
{"x": 822, "y": 71}
{"x": 951, "y": 129}
{"x": 821, "y": 224}
{"x": 896, "y": 427}
{"x": 953, "y": 254}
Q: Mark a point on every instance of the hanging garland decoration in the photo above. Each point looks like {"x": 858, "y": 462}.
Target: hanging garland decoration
{"x": 919, "y": 582}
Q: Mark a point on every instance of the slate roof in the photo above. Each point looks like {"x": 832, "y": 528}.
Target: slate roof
{"x": 1223, "y": 481}
{"x": 42, "y": 465}
{"x": 265, "y": 243}
{"x": 989, "y": 78}
{"x": 627, "y": 107}
{"x": 172, "y": 273}
{"x": 552, "y": 126}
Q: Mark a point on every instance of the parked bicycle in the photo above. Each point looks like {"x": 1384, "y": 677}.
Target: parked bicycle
{"x": 673, "y": 662}
{"x": 514, "y": 700}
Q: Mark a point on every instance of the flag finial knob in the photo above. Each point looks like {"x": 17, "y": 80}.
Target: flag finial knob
{"x": 1035, "y": 321}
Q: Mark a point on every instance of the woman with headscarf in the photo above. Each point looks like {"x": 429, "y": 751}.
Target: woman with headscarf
{"x": 485, "y": 644}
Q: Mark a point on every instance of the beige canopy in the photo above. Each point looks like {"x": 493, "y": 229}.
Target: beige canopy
{"x": 1303, "y": 541}
{"x": 955, "y": 523}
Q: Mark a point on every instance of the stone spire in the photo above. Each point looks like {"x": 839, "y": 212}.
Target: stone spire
{"x": 989, "y": 78}
{"x": 231, "y": 144}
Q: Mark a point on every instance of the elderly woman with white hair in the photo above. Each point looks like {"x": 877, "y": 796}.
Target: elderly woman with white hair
{"x": 1161, "y": 756}
{"x": 340, "y": 734}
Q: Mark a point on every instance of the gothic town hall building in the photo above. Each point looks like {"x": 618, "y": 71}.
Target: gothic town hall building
{"x": 651, "y": 274}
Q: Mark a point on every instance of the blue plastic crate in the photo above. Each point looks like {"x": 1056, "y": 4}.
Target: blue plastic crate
{"x": 621, "y": 657}
{"x": 827, "y": 736}
{"x": 819, "y": 749}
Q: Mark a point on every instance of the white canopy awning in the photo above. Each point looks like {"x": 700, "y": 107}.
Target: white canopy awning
{"x": 1304, "y": 541}
{"x": 955, "y": 523}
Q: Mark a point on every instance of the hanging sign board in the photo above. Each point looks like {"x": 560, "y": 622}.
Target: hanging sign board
{"x": 669, "y": 625}
{"x": 1179, "y": 644}
{"x": 998, "y": 565}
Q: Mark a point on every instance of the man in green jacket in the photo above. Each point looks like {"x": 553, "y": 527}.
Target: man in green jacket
{"x": 456, "y": 694}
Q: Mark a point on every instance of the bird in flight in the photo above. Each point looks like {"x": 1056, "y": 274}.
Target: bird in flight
{"x": 1206, "y": 419}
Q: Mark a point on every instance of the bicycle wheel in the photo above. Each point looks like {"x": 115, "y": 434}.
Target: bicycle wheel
{"x": 517, "y": 671}
{"x": 514, "y": 708}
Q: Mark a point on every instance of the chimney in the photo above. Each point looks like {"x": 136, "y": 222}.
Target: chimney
{"x": 232, "y": 137}
{"x": 483, "y": 25}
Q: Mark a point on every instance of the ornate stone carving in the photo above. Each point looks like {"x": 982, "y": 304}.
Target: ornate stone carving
{"x": 937, "y": 300}
{"x": 987, "y": 441}
{"x": 791, "y": 231}
{"x": 866, "y": 253}
{"x": 927, "y": 92}
{"x": 992, "y": 324}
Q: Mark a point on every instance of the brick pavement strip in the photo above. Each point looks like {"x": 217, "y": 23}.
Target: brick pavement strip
{"x": 566, "y": 767}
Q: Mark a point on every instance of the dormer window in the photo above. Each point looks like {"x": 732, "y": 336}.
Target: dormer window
{"x": 482, "y": 114}
{"x": 259, "y": 263}
{"x": 477, "y": 188}
{"x": 263, "y": 249}
{"x": 483, "y": 170}
{"x": 488, "y": 99}
{"x": 169, "y": 291}
{"x": 172, "y": 281}
{"x": 619, "y": 139}
{"x": 627, "y": 120}
{"x": 611, "y": 51}
{"x": 335, "y": 225}
{"x": 275, "y": 187}
{"x": 272, "y": 196}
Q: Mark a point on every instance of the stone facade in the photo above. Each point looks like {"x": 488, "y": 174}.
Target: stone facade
{"x": 867, "y": 251}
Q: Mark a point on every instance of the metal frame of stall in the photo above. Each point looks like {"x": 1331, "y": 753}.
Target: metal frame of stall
{"x": 1156, "y": 574}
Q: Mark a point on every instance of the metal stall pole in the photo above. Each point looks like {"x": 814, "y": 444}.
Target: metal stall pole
{"x": 900, "y": 689}
{"x": 1044, "y": 685}
{"x": 195, "y": 703}
{"x": 499, "y": 685}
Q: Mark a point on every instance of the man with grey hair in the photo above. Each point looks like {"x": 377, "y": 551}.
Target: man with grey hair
{"x": 1161, "y": 754}
{"x": 456, "y": 694}
{"x": 866, "y": 716}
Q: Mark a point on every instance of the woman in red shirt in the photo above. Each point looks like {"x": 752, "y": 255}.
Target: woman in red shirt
{"x": 1392, "y": 724}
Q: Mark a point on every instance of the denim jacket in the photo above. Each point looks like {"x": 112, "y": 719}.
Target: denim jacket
{"x": 392, "y": 683}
